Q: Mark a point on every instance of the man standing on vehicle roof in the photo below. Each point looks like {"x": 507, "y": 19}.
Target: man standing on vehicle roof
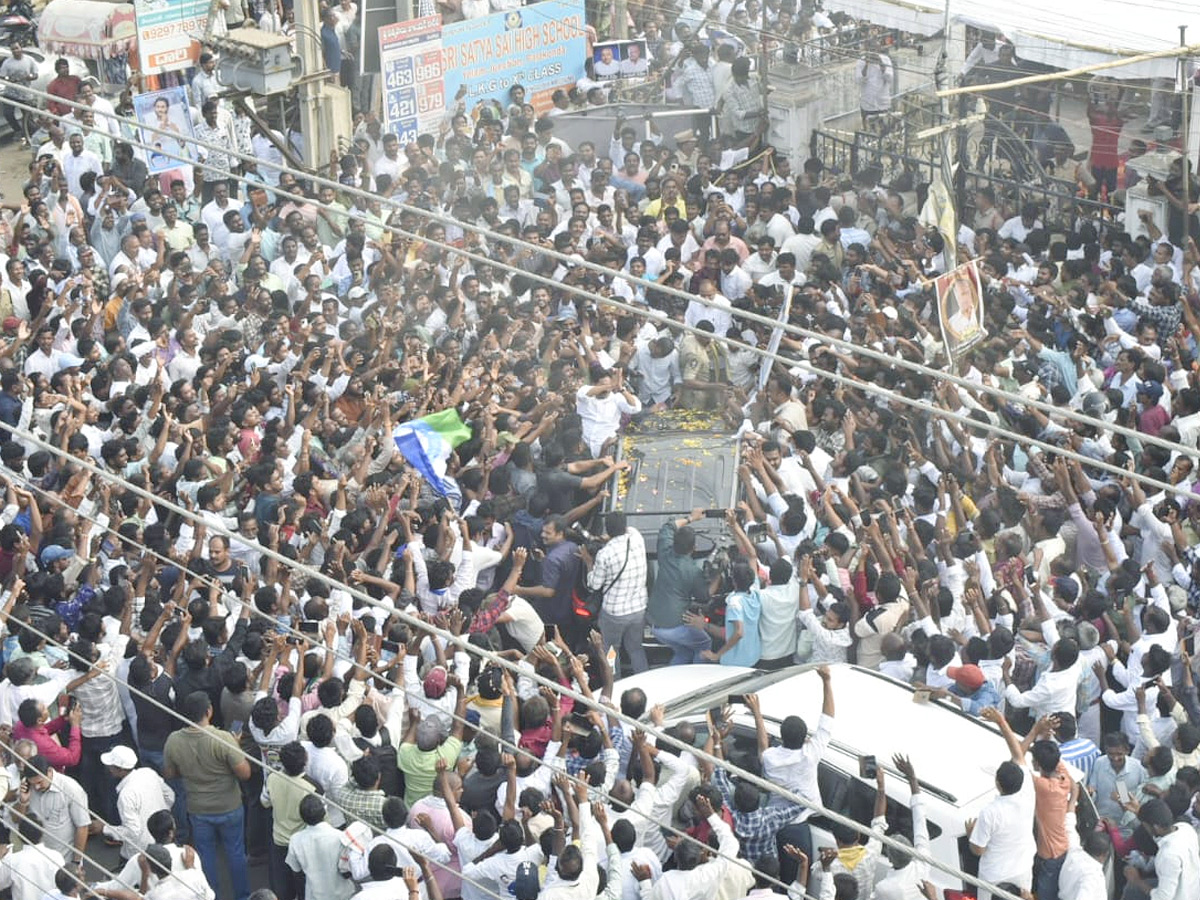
{"x": 793, "y": 766}
{"x": 1002, "y": 836}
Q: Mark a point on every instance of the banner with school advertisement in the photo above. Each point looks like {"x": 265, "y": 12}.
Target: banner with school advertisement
{"x": 410, "y": 59}
{"x": 960, "y": 308}
{"x": 541, "y": 47}
{"x": 168, "y": 33}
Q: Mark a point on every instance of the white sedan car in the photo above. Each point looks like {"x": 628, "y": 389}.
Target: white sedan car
{"x": 955, "y": 755}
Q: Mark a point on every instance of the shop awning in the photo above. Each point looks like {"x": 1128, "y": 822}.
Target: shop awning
{"x": 1063, "y": 34}
{"x": 89, "y": 29}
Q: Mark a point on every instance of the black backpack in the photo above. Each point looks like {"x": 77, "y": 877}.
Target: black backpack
{"x": 391, "y": 781}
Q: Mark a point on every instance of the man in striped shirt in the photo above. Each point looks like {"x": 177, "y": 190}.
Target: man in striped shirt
{"x": 1075, "y": 749}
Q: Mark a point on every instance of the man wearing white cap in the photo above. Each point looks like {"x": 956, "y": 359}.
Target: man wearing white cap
{"x": 141, "y": 792}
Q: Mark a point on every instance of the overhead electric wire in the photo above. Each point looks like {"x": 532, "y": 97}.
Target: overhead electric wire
{"x": 769, "y": 322}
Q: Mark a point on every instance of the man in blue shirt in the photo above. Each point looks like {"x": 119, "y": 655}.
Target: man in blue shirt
{"x": 560, "y": 572}
{"x": 743, "y": 643}
{"x": 331, "y": 47}
{"x": 12, "y": 384}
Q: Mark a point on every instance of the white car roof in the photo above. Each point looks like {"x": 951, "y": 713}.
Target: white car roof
{"x": 669, "y": 682}
{"x": 874, "y": 714}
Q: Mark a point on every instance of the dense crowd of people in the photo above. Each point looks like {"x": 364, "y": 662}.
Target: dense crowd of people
{"x": 202, "y": 377}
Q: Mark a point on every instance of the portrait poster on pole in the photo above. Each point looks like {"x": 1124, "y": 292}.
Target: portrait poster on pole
{"x": 167, "y": 112}
{"x": 960, "y": 308}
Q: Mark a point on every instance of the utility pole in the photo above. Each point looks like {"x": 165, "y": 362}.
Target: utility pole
{"x": 1185, "y": 89}
{"x": 620, "y": 19}
{"x": 764, "y": 62}
{"x": 945, "y": 140}
{"x": 324, "y": 107}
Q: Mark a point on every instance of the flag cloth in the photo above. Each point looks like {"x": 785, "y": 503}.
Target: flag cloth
{"x": 426, "y": 444}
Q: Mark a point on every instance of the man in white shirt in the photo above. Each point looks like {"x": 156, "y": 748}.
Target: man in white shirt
{"x": 1055, "y": 690}
{"x": 29, "y": 872}
{"x": 384, "y": 884}
{"x": 656, "y": 797}
{"x": 45, "y": 360}
{"x": 1082, "y": 874}
{"x": 1002, "y": 836}
{"x": 325, "y": 765}
{"x": 213, "y": 212}
{"x": 802, "y": 244}
{"x": 657, "y": 361}
{"x": 410, "y": 842}
{"x": 313, "y": 852}
{"x": 606, "y": 66}
{"x": 1018, "y": 227}
{"x": 497, "y": 867}
{"x": 78, "y": 161}
{"x": 600, "y": 407}
{"x": 141, "y": 792}
{"x": 692, "y": 876}
{"x": 735, "y": 282}
{"x": 908, "y": 873}
{"x": 793, "y": 766}
{"x": 1177, "y": 862}
{"x": 714, "y": 308}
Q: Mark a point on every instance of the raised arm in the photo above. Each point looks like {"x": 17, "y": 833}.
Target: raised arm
{"x": 1015, "y": 750}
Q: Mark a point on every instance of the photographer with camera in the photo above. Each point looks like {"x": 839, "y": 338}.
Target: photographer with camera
{"x": 680, "y": 590}
{"x": 618, "y": 570}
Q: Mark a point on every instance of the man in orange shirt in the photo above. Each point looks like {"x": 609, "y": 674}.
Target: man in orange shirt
{"x": 1055, "y": 794}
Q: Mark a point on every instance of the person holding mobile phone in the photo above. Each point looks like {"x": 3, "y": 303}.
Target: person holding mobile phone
{"x": 1114, "y": 773}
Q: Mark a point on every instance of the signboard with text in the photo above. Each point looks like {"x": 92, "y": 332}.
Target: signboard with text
{"x": 166, "y": 30}
{"x": 410, "y": 57}
{"x": 541, "y": 47}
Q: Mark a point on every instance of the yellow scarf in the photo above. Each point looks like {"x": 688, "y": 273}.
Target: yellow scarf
{"x": 850, "y": 857}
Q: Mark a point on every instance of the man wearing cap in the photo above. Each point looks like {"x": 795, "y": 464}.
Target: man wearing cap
{"x": 424, "y": 744}
{"x": 971, "y": 690}
{"x": 141, "y": 792}
{"x": 439, "y": 692}
{"x": 62, "y": 560}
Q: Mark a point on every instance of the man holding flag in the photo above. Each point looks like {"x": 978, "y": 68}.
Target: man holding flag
{"x": 427, "y": 443}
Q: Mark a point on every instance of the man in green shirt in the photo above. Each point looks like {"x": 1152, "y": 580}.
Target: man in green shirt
{"x": 284, "y": 792}
{"x": 678, "y": 584}
{"x": 424, "y": 744}
{"x": 212, "y": 768}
